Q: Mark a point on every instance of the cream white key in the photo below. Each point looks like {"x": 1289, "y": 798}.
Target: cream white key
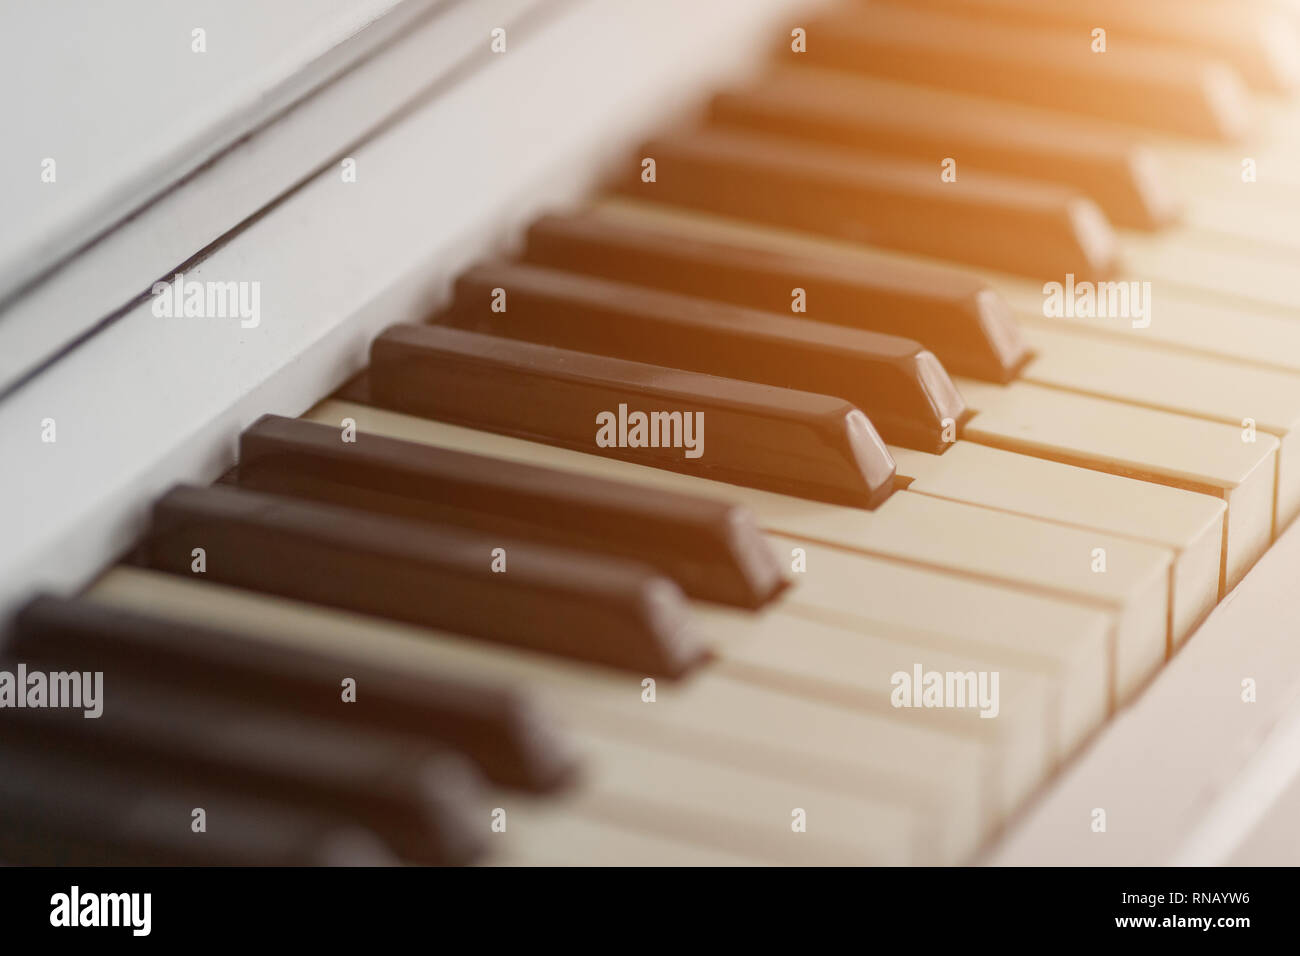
{"x": 651, "y": 789}
{"x": 677, "y": 798}
{"x": 1181, "y": 321}
{"x": 1217, "y": 266}
{"x": 545, "y": 833}
{"x": 965, "y": 616}
{"x": 1250, "y": 217}
{"x": 1012, "y": 549}
{"x": 1190, "y": 524}
{"x": 1250, "y": 399}
{"x": 711, "y": 717}
{"x": 855, "y": 668}
{"x": 1072, "y": 646}
{"x": 1153, "y": 445}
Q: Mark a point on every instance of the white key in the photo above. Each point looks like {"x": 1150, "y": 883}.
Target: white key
{"x": 1181, "y": 321}
{"x": 546, "y": 833}
{"x": 749, "y": 814}
{"x": 1190, "y": 524}
{"x": 857, "y": 667}
{"x": 1250, "y": 399}
{"x": 1152, "y": 445}
{"x": 1218, "y": 266}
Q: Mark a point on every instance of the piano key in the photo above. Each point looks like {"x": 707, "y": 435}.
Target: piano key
{"x": 713, "y": 716}
{"x": 1156, "y": 446}
{"x": 713, "y": 551}
{"x": 1133, "y": 83}
{"x": 900, "y": 386}
{"x": 1187, "y": 322}
{"x": 1190, "y": 385}
{"x": 567, "y": 602}
{"x": 1106, "y": 435}
{"x": 417, "y": 799}
{"x": 739, "y": 811}
{"x": 1254, "y": 38}
{"x": 1258, "y": 219}
{"x": 1034, "y": 229}
{"x": 857, "y": 667}
{"x": 1184, "y": 322}
{"x": 1111, "y": 167}
{"x": 59, "y": 810}
{"x": 1190, "y": 524}
{"x": 1037, "y": 556}
{"x": 549, "y": 836}
{"x": 512, "y": 740}
{"x": 958, "y": 318}
{"x": 759, "y": 435}
{"x": 1218, "y": 267}
{"x": 1044, "y": 634}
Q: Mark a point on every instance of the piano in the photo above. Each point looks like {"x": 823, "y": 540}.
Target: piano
{"x": 559, "y": 432}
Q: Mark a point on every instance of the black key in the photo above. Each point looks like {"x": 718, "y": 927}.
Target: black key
{"x": 501, "y": 730}
{"x": 590, "y": 607}
{"x": 1254, "y": 37}
{"x": 61, "y": 809}
{"x": 961, "y": 319}
{"x": 422, "y": 802}
{"x": 899, "y": 385}
{"x": 712, "y": 549}
{"x": 1123, "y": 177}
{"x": 1033, "y": 229}
{"x": 1132, "y": 82}
{"x": 781, "y": 440}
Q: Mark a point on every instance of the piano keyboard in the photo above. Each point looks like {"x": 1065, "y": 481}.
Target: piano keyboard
{"x": 465, "y": 610}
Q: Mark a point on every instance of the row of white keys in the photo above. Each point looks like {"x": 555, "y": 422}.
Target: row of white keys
{"x": 1013, "y": 628}
{"x": 853, "y": 665}
{"x": 737, "y": 753}
{"x": 1189, "y": 524}
{"x": 1174, "y": 447}
{"x": 1249, "y": 399}
{"x": 1123, "y": 439}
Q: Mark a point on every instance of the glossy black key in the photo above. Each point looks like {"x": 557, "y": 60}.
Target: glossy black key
{"x": 900, "y": 385}
{"x": 963, "y": 321}
{"x": 501, "y": 730}
{"x": 565, "y": 602}
{"x": 422, "y": 802}
{"x": 1132, "y": 83}
{"x": 1123, "y": 177}
{"x": 63, "y": 809}
{"x": 782, "y": 440}
{"x": 711, "y": 548}
{"x": 1033, "y": 229}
